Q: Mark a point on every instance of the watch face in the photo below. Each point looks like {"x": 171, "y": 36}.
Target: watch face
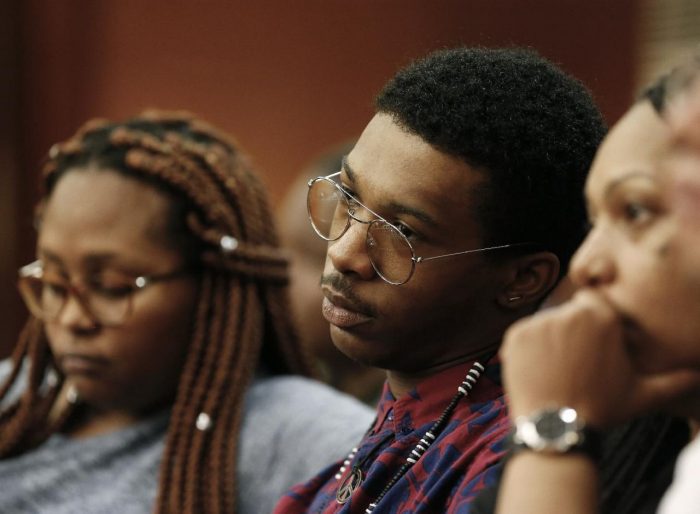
{"x": 551, "y": 426}
{"x": 555, "y": 430}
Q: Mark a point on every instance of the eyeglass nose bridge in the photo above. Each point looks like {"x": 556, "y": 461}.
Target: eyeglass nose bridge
{"x": 352, "y": 207}
{"x": 352, "y": 214}
{"x": 353, "y": 217}
{"x": 74, "y": 292}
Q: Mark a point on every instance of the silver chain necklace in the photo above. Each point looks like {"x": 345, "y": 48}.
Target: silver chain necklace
{"x": 354, "y": 479}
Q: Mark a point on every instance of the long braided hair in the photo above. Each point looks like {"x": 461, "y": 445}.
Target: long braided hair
{"x": 222, "y": 223}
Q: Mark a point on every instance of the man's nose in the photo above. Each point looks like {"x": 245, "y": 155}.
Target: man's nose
{"x": 348, "y": 254}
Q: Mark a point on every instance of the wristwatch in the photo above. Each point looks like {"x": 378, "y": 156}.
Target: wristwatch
{"x": 555, "y": 430}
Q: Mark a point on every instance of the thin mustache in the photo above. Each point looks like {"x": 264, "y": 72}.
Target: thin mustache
{"x": 341, "y": 285}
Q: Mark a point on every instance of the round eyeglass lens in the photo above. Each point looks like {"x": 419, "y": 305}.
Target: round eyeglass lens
{"x": 328, "y": 209}
{"x": 390, "y": 252}
{"x": 110, "y": 310}
{"x": 44, "y": 300}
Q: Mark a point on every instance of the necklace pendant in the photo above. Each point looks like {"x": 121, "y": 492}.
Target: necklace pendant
{"x": 349, "y": 485}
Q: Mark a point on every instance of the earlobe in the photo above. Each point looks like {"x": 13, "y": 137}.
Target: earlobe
{"x": 531, "y": 278}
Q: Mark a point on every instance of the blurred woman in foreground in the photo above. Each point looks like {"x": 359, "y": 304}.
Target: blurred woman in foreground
{"x": 629, "y": 340}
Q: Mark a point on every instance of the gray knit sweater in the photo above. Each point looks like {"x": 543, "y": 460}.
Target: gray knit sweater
{"x": 292, "y": 428}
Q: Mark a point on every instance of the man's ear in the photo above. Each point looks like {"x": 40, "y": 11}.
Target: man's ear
{"x": 530, "y": 278}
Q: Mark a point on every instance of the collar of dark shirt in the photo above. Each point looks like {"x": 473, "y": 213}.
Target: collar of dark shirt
{"x": 425, "y": 403}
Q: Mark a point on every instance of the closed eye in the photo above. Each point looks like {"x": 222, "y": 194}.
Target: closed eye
{"x": 112, "y": 292}
{"x": 405, "y": 230}
{"x": 353, "y": 206}
{"x": 56, "y": 289}
{"x": 349, "y": 193}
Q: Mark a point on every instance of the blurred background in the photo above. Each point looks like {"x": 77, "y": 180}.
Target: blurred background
{"x": 287, "y": 79}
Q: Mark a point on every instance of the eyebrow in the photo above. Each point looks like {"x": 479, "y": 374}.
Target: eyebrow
{"x": 347, "y": 169}
{"x": 395, "y": 207}
{"x": 410, "y": 211}
{"x": 49, "y": 255}
{"x": 92, "y": 260}
{"x": 610, "y": 188}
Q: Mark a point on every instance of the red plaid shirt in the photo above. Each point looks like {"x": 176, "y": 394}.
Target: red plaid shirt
{"x": 461, "y": 462}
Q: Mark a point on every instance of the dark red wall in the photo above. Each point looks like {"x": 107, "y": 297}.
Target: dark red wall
{"x": 286, "y": 78}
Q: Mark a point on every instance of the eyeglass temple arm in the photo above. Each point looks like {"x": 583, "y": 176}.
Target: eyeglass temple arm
{"x": 415, "y": 259}
{"x": 499, "y": 247}
{"x": 327, "y": 177}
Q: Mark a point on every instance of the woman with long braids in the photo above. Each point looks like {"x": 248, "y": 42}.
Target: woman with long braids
{"x": 147, "y": 378}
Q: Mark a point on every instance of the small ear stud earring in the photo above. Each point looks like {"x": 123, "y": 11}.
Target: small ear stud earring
{"x": 514, "y": 298}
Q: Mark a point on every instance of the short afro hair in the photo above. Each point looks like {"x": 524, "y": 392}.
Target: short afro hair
{"x": 530, "y": 127}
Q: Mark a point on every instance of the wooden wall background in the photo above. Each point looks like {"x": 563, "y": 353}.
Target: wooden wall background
{"x": 286, "y": 78}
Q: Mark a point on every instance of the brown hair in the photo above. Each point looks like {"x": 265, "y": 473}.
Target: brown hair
{"x": 221, "y": 221}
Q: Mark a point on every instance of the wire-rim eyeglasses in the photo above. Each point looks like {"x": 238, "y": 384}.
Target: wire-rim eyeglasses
{"x": 331, "y": 208}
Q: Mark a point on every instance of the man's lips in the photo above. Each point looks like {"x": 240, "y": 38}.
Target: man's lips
{"x": 341, "y": 312}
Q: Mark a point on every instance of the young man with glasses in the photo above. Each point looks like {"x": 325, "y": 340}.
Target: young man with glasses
{"x": 453, "y": 216}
